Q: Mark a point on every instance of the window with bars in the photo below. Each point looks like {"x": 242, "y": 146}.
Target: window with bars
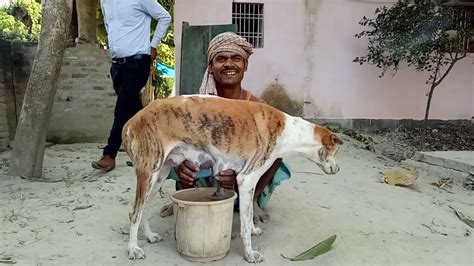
{"x": 249, "y": 20}
{"x": 463, "y": 17}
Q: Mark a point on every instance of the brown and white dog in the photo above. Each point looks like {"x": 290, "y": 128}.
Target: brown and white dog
{"x": 244, "y": 136}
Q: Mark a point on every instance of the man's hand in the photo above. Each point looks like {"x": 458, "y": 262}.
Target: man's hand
{"x": 227, "y": 178}
{"x": 187, "y": 172}
{"x": 154, "y": 54}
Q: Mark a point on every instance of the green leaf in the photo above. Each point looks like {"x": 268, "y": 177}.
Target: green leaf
{"x": 315, "y": 251}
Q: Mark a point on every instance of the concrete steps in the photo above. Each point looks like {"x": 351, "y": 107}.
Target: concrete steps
{"x": 458, "y": 165}
{"x": 462, "y": 161}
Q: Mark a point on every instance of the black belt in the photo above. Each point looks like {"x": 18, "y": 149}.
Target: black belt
{"x": 124, "y": 60}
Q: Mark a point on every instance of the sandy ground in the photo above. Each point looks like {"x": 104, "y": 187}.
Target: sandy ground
{"x": 82, "y": 219}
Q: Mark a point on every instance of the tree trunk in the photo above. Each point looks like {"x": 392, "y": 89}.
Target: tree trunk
{"x": 428, "y": 104}
{"x": 28, "y": 148}
{"x": 436, "y": 82}
{"x": 86, "y": 12}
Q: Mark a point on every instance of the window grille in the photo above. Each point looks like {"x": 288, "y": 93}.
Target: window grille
{"x": 249, "y": 20}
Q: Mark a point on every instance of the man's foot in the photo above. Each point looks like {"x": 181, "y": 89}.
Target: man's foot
{"x": 167, "y": 210}
{"x": 106, "y": 163}
{"x": 259, "y": 215}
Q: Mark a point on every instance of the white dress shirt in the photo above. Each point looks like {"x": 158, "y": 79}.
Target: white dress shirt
{"x": 128, "y": 25}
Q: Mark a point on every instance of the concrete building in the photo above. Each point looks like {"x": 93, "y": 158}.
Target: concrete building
{"x": 308, "y": 46}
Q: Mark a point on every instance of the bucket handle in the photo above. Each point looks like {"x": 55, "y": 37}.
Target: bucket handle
{"x": 182, "y": 206}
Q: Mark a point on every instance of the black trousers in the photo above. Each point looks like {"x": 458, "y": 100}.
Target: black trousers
{"x": 128, "y": 79}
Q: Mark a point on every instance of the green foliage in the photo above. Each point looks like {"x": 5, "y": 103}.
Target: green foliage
{"x": 163, "y": 86}
{"x": 427, "y": 35}
{"x": 166, "y": 52}
{"x": 10, "y": 28}
{"x": 20, "y": 20}
{"x": 101, "y": 31}
{"x": 418, "y": 34}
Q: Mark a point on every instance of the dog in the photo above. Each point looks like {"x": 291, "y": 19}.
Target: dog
{"x": 244, "y": 136}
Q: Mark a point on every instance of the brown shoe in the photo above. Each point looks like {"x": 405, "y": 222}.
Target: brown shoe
{"x": 106, "y": 163}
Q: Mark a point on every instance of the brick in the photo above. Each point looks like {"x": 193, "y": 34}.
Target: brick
{"x": 80, "y": 64}
{"x": 65, "y": 87}
{"x": 100, "y": 75}
{"x": 3, "y": 145}
{"x": 89, "y": 69}
{"x": 64, "y": 75}
{"x": 79, "y": 75}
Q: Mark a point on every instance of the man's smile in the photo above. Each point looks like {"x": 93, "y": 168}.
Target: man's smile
{"x": 229, "y": 73}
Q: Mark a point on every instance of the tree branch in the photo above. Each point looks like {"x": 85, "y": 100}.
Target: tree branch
{"x": 436, "y": 83}
{"x": 438, "y": 69}
{"x": 451, "y": 56}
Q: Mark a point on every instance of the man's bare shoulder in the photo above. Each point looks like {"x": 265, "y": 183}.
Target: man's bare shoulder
{"x": 256, "y": 99}
{"x": 253, "y": 98}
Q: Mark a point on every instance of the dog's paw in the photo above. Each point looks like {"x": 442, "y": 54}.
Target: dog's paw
{"x": 265, "y": 218}
{"x": 259, "y": 215}
{"x": 153, "y": 237}
{"x": 256, "y": 231}
{"x": 254, "y": 257}
{"x": 262, "y": 217}
{"x": 135, "y": 253}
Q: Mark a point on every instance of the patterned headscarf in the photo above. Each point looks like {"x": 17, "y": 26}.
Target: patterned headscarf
{"x": 224, "y": 42}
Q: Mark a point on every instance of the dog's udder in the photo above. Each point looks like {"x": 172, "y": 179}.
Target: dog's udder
{"x": 218, "y": 160}
{"x": 220, "y": 165}
{"x": 202, "y": 159}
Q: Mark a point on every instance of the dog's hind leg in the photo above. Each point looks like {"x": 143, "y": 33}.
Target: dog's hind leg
{"x": 150, "y": 235}
{"x": 145, "y": 183}
{"x": 247, "y": 185}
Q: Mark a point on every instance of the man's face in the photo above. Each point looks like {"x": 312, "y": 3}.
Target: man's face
{"x": 228, "y": 68}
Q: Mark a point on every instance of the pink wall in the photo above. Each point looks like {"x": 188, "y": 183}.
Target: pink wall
{"x": 309, "y": 47}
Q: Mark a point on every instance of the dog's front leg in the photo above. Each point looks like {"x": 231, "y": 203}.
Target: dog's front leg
{"x": 246, "y": 191}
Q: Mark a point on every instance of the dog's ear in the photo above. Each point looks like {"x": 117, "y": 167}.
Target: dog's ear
{"x": 336, "y": 140}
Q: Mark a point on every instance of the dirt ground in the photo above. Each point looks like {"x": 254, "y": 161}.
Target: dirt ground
{"x": 402, "y": 143}
{"x": 82, "y": 217}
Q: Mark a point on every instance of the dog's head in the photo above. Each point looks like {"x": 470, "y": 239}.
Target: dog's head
{"x": 325, "y": 155}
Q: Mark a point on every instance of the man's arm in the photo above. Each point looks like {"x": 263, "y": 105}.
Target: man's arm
{"x": 158, "y": 12}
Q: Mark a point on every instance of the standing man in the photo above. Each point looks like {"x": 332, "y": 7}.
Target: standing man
{"x": 128, "y": 28}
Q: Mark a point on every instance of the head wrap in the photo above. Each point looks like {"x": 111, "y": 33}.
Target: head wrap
{"x": 224, "y": 42}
